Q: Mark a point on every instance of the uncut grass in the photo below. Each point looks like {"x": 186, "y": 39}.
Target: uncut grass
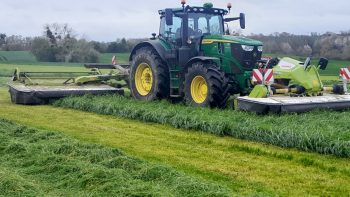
{"x": 325, "y": 132}
{"x": 247, "y": 168}
{"x": 36, "y": 163}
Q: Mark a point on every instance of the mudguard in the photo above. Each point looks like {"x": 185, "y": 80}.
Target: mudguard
{"x": 201, "y": 59}
{"x": 156, "y": 45}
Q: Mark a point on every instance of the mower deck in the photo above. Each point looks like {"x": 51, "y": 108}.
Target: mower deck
{"x": 285, "y": 104}
{"x": 40, "y": 94}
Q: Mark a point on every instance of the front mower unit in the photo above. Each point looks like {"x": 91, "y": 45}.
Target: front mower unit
{"x": 297, "y": 88}
{"x": 35, "y": 88}
{"x": 285, "y": 104}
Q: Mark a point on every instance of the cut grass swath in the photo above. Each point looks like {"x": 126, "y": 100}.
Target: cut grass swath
{"x": 325, "y": 132}
{"x": 37, "y": 163}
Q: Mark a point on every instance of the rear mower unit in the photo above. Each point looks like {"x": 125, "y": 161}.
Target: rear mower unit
{"x": 33, "y": 88}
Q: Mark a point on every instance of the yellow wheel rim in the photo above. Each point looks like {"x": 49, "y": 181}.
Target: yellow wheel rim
{"x": 143, "y": 79}
{"x": 199, "y": 89}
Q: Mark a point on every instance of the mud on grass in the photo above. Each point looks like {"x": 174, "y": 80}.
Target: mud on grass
{"x": 325, "y": 132}
{"x": 35, "y": 163}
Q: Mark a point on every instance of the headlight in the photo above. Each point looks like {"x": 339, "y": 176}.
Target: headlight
{"x": 247, "y": 48}
{"x": 260, "y": 48}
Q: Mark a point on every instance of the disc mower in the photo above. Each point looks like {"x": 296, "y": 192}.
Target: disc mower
{"x": 33, "y": 88}
{"x": 294, "y": 87}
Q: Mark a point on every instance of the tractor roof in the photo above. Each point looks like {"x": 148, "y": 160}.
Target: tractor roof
{"x": 204, "y": 10}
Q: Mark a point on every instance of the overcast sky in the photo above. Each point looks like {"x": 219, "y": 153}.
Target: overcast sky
{"x": 107, "y": 20}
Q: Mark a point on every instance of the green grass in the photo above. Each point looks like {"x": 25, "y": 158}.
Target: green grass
{"x": 3, "y": 81}
{"x": 246, "y": 168}
{"x": 324, "y": 132}
{"x": 35, "y": 163}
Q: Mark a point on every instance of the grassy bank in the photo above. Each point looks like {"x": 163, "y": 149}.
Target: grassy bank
{"x": 246, "y": 168}
{"x": 322, "y": 131}
{"x": 35, "y": 163}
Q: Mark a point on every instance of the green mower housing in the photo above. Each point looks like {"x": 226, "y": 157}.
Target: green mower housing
{"x": 294, "y": 72}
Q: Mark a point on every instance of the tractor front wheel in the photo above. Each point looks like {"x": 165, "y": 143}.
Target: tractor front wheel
{"x": 149, "y": 77}
{"x": 206, "y": 86}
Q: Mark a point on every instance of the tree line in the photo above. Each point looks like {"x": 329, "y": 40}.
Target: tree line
{"x": 60, "y": 44}
{"x": 329, "y": 45}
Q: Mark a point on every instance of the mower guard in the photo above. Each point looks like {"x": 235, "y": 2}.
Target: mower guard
{"x": 37, "y": 95}
{"x": 285, "y": 104}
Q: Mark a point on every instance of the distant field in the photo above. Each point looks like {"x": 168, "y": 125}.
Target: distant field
{"x": 25, "y": 57}
{"x": 122, "y": 58}
{"x": 7, "y": 70}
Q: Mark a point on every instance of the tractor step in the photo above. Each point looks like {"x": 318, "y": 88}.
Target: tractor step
{"x": 174, "y": 84}
{"x": 284, "y": 104}
{"x": 175, "y": 96}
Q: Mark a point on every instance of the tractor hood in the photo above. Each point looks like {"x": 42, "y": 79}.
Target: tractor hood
{"x": 232, "y": 39}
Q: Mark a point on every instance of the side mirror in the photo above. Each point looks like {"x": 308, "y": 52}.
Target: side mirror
{"x": 323, "y": 63}
{"x": 169, "y": 17}
{"x": 242, "y": 20}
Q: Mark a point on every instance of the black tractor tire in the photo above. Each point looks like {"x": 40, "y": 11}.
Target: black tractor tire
{"x": 160, "y": 87}
{"x": 217, "y": 85}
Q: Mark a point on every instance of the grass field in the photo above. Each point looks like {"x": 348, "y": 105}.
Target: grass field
{"x": 241, "y": 167}
{"x": 325, "y": 132}
{"x": 46, "y": 163}
{"x": 244, "y": 167}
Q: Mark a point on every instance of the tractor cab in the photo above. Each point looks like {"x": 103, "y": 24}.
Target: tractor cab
{"x": 201, "y": 21}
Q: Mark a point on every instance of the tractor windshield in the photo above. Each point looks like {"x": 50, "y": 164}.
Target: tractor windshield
{"x": 205, "y": 24}
{"x": 199, "y": 24}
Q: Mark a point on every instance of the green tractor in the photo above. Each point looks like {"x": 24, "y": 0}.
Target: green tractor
{"x": 194, "y": 58}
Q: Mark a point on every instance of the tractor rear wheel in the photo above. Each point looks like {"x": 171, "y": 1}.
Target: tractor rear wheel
{"x": 206, "y": 86}
{"x": 149, "y": 77}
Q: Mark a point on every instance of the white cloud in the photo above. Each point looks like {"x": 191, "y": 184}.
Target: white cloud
{"x": 110, "y": 19}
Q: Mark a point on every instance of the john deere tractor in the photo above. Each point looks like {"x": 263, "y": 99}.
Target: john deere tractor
{"x": 194, "y": 58}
